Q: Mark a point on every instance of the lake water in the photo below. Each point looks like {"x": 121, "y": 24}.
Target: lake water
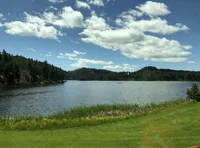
{"x": 47, "y": 100}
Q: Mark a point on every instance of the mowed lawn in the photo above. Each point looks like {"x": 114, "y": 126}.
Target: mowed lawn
{"x": 172, "y": 128}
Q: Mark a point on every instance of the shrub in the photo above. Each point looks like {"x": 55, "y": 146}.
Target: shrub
{"x": 194, "y": 93}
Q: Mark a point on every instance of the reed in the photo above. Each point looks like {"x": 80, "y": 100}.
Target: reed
{"x": 85, "y": 116}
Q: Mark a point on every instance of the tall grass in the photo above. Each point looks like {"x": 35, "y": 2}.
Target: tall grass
{"x": 84, "y": 116}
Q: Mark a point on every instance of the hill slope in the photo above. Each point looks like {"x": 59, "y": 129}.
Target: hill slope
{"x": 20, "y": 70}
{"x": 144, "y": 74}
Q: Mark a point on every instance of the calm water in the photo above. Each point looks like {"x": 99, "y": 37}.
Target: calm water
{"x": 48, "y": 100}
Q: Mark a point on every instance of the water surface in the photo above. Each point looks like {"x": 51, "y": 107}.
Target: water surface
{"x": 46, "y": 100}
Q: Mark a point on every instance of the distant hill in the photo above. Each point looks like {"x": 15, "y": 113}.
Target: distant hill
{"x": 20, "y": 70}
{"x": 145, "y": 74}
{"x": 94, "y": 74}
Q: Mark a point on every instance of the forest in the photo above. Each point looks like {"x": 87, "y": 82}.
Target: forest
{"x": 21, "y": 70}
{"x": 148, "y": 73}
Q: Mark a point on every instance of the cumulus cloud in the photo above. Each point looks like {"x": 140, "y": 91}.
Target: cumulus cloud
{"x": 43, "y": 26}
{"x": 154, "y": 8}
{"x": 56, "y": 1}
{"x": 96, "y": 2}
{"x": 32, "y": 29}
{"x": 156, "y": 25}
{"x": 67, "y": 18}
{"x": 80, "y": 4}
{"x": 131, "y": 38}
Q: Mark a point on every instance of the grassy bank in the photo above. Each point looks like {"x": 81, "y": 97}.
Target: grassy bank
{"x": 84, "y": 116}
{"x": 174, "y": 127}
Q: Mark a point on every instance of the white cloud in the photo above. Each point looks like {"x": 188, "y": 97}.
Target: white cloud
{"x": 124, "y": 67}
{"x": 96, "y": 23}
{"x": 34, "y": 19}
{"x": 1, "y": 25}
{"x": 131, "y": 13}
{"x": 56, "y": 1}
{"x": 32, "y": 29}
{"x": 84, "y": 62}
{"x": 96, "y": 2}
{"x": 154, "y": 8}
{"x": 43, "y": 26}
{"x": 81, "y": 62}
{"x": 2, "y": 17}
{"x": 131, "y": 39}
{"x": 31, "y": 49}
{"x": 191, "y": 62}
{"x": 67, "y": 18}
{"x": 80, "y": 4}
{"x": 79, "y": 65}
{"x": 127, "y": 67}
{"x": 51, "y": 8}
{"x": 79, "y": 53}
{"x": 112, "y": 67}
{"x": 154, "y": 25}
{"x": 187, "y": 47}
{"x": 71, "y": 56}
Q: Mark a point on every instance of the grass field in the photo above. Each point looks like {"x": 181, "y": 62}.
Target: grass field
{"x": 174, "y": 127}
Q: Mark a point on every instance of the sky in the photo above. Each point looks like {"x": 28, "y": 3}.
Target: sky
{"x": 105, "y": 34}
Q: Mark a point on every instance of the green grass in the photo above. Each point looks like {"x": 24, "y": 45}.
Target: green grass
{"x": 173, "y": 127}
{"x": 84, "y": 116}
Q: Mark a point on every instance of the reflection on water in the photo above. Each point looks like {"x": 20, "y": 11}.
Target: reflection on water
{"x": 45, "y": 100}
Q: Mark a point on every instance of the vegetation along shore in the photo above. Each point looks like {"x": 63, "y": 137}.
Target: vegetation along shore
{"x": 85, "y": 116}
{"x": 166, "y": 124}
{"x": 20, "y": 70}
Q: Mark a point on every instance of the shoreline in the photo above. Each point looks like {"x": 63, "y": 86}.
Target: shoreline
{"x": 173, "y": 127}
{"x": 85, "y": 116}
{"x": 35, "y": 84}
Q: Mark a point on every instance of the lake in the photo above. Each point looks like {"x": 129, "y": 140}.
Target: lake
{"x": 47, "y": 100}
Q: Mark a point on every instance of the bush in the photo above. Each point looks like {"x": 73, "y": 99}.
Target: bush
{"x": 194, "y": 93}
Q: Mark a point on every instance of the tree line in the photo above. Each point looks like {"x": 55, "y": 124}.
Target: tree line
{"x": 149, "y": 73}
{"x": 20, "y": 70}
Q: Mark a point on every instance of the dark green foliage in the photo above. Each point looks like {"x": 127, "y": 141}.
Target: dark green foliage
{"x": 93, "y": 74}
{"x": 19, "y": 70}
{"x": 9, "y": 70}
{"x": 194, "y": 93}
{"x": 86, "y": 116}
{"x": 145, "y": 74}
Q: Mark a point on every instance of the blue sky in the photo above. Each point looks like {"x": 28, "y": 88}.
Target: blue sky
{"x": 108, "y": 34}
